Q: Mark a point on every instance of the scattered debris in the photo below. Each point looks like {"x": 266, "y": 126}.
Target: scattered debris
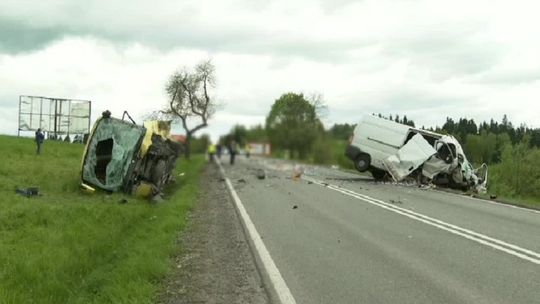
{"x": 28, "y": 192}
{"x": 395, "y": 201}
{"x": 297, "y": 172}
{"x": 261, "y": 174}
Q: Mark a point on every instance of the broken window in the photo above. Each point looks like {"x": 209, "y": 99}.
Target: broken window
{"x": 446, "y": 152}
{"x": 428, "y": 137}
{"x": 103, "y": 158}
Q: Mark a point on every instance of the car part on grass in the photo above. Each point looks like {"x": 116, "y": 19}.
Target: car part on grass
{"x": 28, "y": 192}
{"x": 383, "y": 146}
{"x": 123, "y": 156}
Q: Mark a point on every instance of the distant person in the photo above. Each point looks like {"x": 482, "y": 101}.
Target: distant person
{"x": 233, "y": 149}
{"x": 39, "y": 140}
{"x": 248, "y": 150}
{"x": 211, "y": 152}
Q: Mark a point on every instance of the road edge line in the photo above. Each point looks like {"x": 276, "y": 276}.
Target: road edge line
{"x": 278, "y": 284}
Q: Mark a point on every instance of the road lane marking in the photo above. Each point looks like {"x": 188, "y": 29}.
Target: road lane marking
{"x": 514, "y": 250}
{"x": 280, "y": 287}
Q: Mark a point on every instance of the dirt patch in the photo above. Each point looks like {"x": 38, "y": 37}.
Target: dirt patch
{"x": 216, "y": 264}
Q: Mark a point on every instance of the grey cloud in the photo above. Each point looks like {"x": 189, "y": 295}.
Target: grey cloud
{"x": 16, "y": 37}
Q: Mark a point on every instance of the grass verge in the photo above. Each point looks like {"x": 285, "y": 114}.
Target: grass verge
{"x": 69, "y": 247}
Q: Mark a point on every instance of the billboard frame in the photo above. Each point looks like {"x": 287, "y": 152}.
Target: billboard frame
{"x": 57, "y": 115}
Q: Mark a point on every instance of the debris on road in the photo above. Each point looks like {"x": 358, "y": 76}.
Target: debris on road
{"x": 395, "y": 201}
{"x": 389, "y": 149}
{"x": 261, "y": 174}
{"x": 297, "y": 172}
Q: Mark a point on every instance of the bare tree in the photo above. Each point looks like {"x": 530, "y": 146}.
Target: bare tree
{"x": 316, "y": 99}
{"x": 189, "y": 99}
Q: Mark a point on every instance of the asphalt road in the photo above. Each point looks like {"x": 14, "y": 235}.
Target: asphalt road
{"x": 342, "y": 238}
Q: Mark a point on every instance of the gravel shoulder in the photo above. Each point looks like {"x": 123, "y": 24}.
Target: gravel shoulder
{"x": 215, "y": 264}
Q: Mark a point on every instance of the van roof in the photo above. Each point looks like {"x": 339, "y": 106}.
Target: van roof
{"x": 383, "y": 122}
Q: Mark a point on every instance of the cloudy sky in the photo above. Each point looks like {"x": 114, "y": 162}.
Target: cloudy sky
{"x": 426, "y": 59}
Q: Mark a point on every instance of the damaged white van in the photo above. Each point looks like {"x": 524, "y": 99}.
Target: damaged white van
{"x": 386, "y": 148}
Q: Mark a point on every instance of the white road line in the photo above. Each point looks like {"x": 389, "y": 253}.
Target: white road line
{"x": 514, "y": 250}
{"x": 502, "y": 243}
{"x": 280, "y": 287}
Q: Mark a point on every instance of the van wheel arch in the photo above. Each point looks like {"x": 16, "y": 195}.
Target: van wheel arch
{"x": 362, "y": 162}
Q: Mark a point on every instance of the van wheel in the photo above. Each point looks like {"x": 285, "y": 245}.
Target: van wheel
{"x": 378, "y": 174}
{"x": 362, "y": 162}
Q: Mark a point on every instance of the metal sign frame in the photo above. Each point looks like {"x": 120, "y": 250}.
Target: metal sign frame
{"x": 56, "y": 116}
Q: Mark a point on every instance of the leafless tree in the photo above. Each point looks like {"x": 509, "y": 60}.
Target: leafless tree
{"x": 189, "y": 98}
{"x": 316, "y": 99}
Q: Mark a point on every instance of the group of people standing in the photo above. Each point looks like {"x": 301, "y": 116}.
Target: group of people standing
{"x": 232, "y": 149}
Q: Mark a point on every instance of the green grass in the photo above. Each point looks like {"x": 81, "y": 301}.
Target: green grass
{"x": 532, "y": 203}
{"x": 70, "y": 247}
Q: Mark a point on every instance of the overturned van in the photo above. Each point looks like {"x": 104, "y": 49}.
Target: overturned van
{"x": 123, "y": 156}
{"x": 386, "y": 148}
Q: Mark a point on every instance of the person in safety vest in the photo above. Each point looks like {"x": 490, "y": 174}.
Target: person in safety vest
{"x": 211, "y": 152}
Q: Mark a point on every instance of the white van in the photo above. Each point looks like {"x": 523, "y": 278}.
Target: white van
{"x": 385, "y": 147}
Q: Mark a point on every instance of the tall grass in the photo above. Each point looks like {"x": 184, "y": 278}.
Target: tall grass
{"x": 69, "y": 247}
{"x": 517, "y": 176}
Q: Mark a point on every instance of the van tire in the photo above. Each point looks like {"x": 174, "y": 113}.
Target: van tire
{"x": 362, "y": 162}
{"x": 378, "y": 174}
